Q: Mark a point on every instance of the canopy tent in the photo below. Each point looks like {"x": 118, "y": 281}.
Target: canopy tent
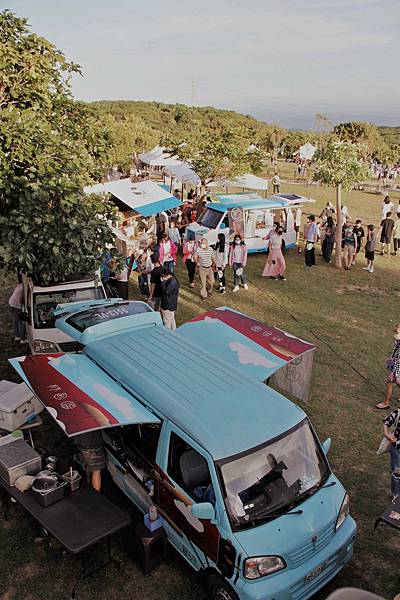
{"x": 144, "y": 197}
{"x": 159, "y": 157}
{"x": 307, "y": 151}
{"x": 183, "y": 173}
{"x": 247, "y": 181}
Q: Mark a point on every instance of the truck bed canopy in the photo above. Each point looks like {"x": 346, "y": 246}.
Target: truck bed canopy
{"x": 131, "y": 365}
{"x": 257, "y": 349}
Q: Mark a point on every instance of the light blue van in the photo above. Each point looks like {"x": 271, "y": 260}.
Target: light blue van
{"x": 252, "y": 217}
{"x": 235, "y": 469}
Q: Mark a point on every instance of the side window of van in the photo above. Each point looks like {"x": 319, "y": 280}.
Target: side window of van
{"x": 139, "y": 443}
{"x": 189, "y": 469}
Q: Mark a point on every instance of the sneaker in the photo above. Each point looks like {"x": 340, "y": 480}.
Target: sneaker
{"x": 17, "y": 339}
{"x": 222, "y": 291}
{"x": 282, "y": 277}
{"x": 23, "y": 341}
{"x": 192, "y": 285}
{"x": 272, "y": 277}
{"x": 236, "y": 288}
{"x": 371, "y": 270}
{"x": 365, "y": 268}
{"x": 245, "y": 286}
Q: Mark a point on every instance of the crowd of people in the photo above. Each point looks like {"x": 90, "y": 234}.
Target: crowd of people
{"x": 354, "y": 237}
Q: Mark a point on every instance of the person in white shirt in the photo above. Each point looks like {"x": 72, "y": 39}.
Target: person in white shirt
{"x": 396, "y": 234}
{"x": 387, "y": 207}
{"x": 204, "y": 257}
{"x": 15, "y": 304}
{"x": 276, "y": 183}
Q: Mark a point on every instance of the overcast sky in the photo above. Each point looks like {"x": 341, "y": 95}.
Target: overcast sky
{"x": 280, "y": 60}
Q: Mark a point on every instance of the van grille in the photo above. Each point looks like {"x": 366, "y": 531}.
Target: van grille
{"x": 310, "y": 548}
{"x": 70, "y": 346}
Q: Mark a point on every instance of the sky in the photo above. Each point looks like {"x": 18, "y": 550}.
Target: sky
{"x": 279, "y": 60}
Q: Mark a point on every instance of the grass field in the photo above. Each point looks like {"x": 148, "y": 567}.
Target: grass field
{"x": 349, "y": 316}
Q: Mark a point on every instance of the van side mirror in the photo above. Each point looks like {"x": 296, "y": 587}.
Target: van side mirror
{"x": 203, "y": 510}
{"x": 327, "y": 445}
{"x": 222, "y": 226}
{"x": 23, "y": 316}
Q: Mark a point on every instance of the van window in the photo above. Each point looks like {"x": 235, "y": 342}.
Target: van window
{"x": 266, "y": 481}
{"x": 210, "y": 218}
{"x": 45, "y": 302}
{"x": 189, "y": 469}
{"x": 140, "y": 444}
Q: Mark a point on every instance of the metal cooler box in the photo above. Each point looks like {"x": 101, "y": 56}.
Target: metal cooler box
{"x": 17, "y": 405}
{"x": 17, "y": 459}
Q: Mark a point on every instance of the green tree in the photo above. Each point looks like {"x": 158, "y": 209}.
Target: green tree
{"x": 340, "y": 164}
{"x": 213, "y": 147}
{"x": 359, "y": 132}
{"x": 49, "y": 148}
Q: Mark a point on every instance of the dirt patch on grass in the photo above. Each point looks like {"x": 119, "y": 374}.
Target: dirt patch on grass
{"x": 366, "y": 289}
{"x": 9, "y": 594}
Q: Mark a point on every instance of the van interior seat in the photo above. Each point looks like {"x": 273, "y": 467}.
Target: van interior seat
{"x": 194, "y": 469}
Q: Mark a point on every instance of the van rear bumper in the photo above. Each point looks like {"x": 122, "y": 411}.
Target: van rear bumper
{"x": 289, "y": 584}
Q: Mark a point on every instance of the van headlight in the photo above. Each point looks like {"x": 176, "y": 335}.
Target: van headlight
{"x": 259, "y": 566}
{"x": 343, "y": 512}
{"x": 44, "y": 347}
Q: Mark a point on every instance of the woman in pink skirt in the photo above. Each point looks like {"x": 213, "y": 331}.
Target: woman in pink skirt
{"x": 275, "y": 265}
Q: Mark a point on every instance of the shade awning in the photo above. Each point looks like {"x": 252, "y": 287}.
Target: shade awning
{"x": 78, "y": 394}
{"x": 147, "y": 198}
{"x": 256, "y": 349}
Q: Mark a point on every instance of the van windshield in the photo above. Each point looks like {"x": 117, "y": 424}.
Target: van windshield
{"x": 270, "y": 480}
{"x": 45, "y": 302}
{"x": 210, "y": 218}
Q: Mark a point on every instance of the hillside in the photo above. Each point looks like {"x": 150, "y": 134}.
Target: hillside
{"x": 391, "y": 135}
{"x": 164, "y": 117}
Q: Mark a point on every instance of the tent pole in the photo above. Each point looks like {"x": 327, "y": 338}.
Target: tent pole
{"x": 183, "y": 185}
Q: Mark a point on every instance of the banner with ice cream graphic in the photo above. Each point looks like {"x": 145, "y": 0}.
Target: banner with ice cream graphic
{"x": 258, "y": 350}
{"x": 78, "y": 395}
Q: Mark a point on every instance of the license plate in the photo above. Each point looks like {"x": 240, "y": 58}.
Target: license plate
{"x": 316, "y": 572}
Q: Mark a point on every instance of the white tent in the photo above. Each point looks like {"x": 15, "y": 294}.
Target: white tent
{"x": 247, "y": 181}
{"x": 183, "y": 173}
{"x": 159, "y": 157}
{"x": 307, "y": 151}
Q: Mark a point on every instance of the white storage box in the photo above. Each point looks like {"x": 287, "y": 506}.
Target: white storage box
{"x": 17, "y": 406}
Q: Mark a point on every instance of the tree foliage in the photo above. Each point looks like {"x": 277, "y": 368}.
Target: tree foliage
{"x": 49, "y": 148}
{"x": 341, "y": 163}
{"x": 214, "y": 147}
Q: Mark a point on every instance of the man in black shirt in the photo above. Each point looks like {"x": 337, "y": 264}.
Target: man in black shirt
{"x": 155, "y": 283}
{"x": 387, "y": 226}
{"x": 360, "y": 234}
{"x": 169, "y": 298}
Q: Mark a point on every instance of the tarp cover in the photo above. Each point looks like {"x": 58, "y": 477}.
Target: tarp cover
{"x": 144, "y": 197}
{"x": 78, "y": 394}
{"x": 257, "y": 349}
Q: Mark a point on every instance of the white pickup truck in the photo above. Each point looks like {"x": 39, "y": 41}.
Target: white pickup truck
{"x": 39, "y": 302}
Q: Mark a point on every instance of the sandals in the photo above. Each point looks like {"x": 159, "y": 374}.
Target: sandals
{"x": 382, "y": 406}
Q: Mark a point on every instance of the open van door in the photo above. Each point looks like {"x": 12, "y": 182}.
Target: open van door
{"x": 78, "y": 394}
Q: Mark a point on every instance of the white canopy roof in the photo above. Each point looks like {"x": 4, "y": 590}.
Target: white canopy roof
{"x": 159, "y": 157}
{"x": 247, "y": 181}
{"x": 145, "y": 197}
{"x": 307, "y": 151}
{"x": 183, "y": 173}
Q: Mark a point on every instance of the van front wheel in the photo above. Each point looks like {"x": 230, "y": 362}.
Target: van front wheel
{"x": 219, "y": 589}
